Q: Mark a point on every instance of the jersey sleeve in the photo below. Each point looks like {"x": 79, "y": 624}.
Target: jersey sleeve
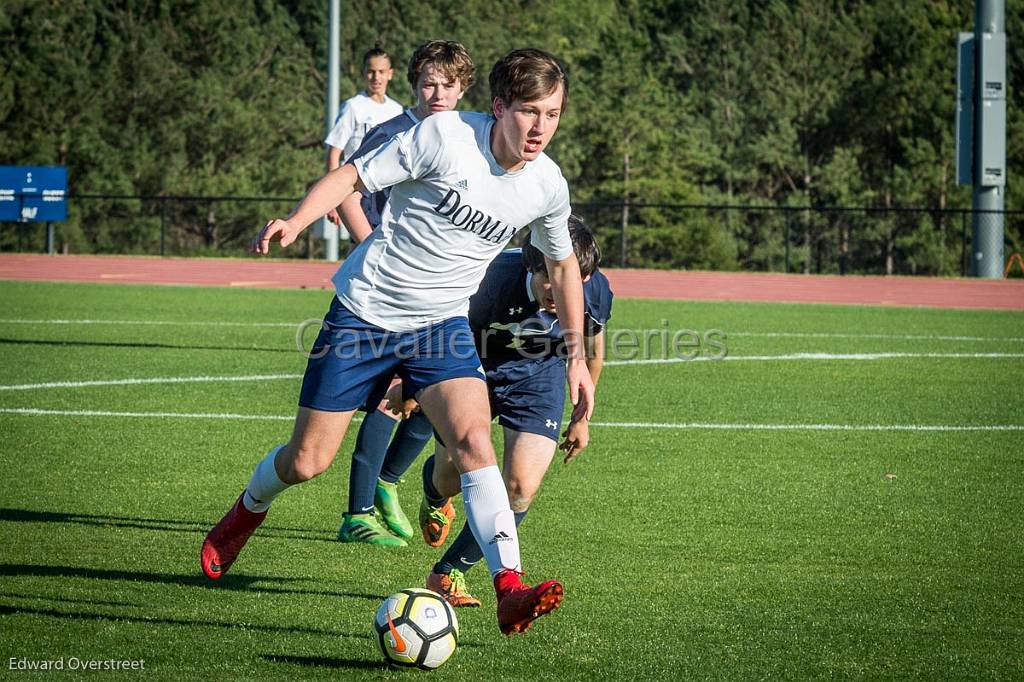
{"x": 373, "y": 202}
{"x": 597, "y": 296}
{"x": 344, "y": 127}
{"x": 405, "y": 156}
{"x": 550, "y": 233}
{"x": 375, "y": 138}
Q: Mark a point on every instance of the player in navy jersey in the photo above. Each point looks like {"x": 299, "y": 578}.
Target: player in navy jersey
{"x": 440, "y": 72}
{"x": 462, "y": 185}
{"x": 518, "y": 336}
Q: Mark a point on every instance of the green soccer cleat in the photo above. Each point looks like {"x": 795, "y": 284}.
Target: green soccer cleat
{"x": 366, "y": 528}
{"x": 385, "y": 500}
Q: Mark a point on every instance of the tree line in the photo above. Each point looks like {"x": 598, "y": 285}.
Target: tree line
{"x": 756, "y": 103}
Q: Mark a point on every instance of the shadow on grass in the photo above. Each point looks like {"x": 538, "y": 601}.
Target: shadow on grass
{"x": 70, "y": 600}
{"x": 233, "y": 582}
{"x": 173, "y": 525}
{"x": 327, "y": 662}
{"x": 8, "y": 609}
{"x": 123, "y": 344}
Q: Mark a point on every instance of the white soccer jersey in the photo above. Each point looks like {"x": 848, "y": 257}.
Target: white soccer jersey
{"x": 452, "y": 210}
{"x": 357, "y": 116}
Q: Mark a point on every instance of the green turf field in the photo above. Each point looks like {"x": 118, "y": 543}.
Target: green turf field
{"x": 852, "y": 513}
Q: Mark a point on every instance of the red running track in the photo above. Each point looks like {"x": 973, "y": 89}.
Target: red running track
{"x": 693, "y": 286}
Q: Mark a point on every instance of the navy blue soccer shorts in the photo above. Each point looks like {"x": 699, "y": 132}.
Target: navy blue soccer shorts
{"x": 352, "y": 361}
{"x": 529, "y": 395}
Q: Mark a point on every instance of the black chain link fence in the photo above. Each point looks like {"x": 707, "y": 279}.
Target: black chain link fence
{"x": 905, "y": 241}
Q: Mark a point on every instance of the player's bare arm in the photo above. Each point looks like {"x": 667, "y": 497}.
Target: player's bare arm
{"x": 327, "y": 193}
{"x": 577, "y": 434}
{"x": 353, "y": 217}
{"x": 333, "y": 161}
{"x": 567, "y": 288}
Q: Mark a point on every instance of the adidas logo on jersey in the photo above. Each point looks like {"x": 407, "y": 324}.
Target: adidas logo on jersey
{"x": 462, "y": 184}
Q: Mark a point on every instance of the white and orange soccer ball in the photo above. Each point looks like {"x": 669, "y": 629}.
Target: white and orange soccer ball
{"x": 416, "y": 627}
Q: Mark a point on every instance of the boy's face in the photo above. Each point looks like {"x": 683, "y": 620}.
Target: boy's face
{"x": 540, "y": 286}
{"x": 435, "y": 92}
{"x": 378, "y": 73}
{"x": 524, "y": 129}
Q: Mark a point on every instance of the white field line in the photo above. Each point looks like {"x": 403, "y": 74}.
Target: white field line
{"x": 792, "y": 335}
{"x": 891, "y": 337}
{"x": 160, "y": 323}
{"x": 628, "y": 425}
{"x": 655, "y": 361}
{"x": 815, "y": 356}
{"x": 154, "y": 380}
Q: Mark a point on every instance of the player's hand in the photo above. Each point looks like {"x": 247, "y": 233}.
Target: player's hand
{"x": 393, "y": 402}
{"x": 577, "y": 437}
{"x": 581, "y": 390}
{"x": 334, "y": 217}
{"x": 274, "y": 230}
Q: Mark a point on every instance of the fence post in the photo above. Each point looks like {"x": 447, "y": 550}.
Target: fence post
{"x": 844, "y": 243}
{"x": 163, "y": 223}
{"x": 786, "y": 213}
{"x": 963, "y": 243}
{"x": 49, "y": 238}
{"x": 624, "y": 226}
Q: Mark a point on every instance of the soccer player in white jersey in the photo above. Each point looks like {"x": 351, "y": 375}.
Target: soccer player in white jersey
{"x": 462, "y": 184}
{"x": 362, "y": 112}
{"x": 440, "y": 71}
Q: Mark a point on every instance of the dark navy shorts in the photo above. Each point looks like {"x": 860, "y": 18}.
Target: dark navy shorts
{"x": 352, "y": 361}
{"x": 528, "y": 395}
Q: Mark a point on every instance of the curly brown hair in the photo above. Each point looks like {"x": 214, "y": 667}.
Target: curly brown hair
{"x": 449, "y": 57}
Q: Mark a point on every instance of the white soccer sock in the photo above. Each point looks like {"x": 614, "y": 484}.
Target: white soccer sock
{"x": 264, "y": 485}
{"x": 491, "y": 519}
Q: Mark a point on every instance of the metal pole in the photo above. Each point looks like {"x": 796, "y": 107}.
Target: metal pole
{"x": 49, "y": 238}
{"x": 988, "y": 197}
{"x": 329, "y": 229}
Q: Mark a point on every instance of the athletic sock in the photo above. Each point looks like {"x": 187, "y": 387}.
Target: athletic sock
{"x": 464, "y": 553}
{"x": 490, "y": 517}
{"x": 410, "y": 439}
{"x": 434, "y": 498}
{"x": 264, "y": 485}
{"x": 371, "y": 444}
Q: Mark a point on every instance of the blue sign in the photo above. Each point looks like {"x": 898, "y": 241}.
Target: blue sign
{"x": 33, "y": 194}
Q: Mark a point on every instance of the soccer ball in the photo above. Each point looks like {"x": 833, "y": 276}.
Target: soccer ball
{"x": 416, "y": 627}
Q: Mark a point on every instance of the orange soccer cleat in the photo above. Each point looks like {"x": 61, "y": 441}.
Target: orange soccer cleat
{"x": 435, "y": 522}
{"x": 452, "y": 587}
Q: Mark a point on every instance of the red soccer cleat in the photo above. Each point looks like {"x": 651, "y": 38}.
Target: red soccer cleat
{"x": 519, "y": 605}
{"x": 227, "y": 538}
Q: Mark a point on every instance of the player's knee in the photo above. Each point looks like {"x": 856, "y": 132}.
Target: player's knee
{"x": 307, "y": 463}
{"x": 474, "y": 449}
{"x": 520, "y": 494}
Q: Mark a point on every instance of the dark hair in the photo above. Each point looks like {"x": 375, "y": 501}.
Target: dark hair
{"x": 449, "y": 57}
{"x": 528, "y": 75}
{"x": 375, "y": 51}
{"x": 588, "y": 253}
